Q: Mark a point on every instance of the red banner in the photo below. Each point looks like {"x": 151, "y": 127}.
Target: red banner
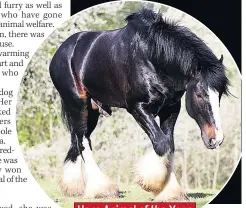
{"x": 133, "y": 205}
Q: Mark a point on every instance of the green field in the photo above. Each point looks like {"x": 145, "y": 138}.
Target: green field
{"x": 128, "y": 193}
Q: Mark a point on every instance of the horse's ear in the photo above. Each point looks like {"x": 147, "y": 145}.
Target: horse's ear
{"x": 221, "y": 58}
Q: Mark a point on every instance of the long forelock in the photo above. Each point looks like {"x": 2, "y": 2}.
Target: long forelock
{"x": 216, "y": 79}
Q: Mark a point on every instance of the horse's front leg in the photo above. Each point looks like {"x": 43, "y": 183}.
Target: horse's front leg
{"x": 154, "y": 170}
{"x": 150, "y": 174}
{"x": 172, "y": 190}
{"x": 146, "y": 120}
{"x": 98, "y": 185}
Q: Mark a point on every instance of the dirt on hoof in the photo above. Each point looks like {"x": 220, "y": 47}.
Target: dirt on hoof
{"x": 172, "y": 196}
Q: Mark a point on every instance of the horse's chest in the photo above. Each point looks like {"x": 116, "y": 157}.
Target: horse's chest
{"x": 174, "y": 97}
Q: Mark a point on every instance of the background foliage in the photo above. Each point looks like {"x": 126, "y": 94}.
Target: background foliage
{"x": 118, "y": 141}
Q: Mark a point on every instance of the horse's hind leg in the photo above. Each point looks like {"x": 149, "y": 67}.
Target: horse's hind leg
{"x": 81, "y": 175}
{"x": 98, "y": 185}
{"x": 72, "y": 179}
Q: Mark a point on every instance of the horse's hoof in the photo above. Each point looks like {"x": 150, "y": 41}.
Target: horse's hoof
{"x": 172, "y": 191}
{"x": 181, "y": 198}
{"x": 101, "y": 188}
{"x": 72, "y": 181}
{"x": 73, "y": 188}
{"x": 172, "y": 195}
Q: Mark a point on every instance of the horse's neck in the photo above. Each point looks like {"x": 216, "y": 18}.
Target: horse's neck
{"x": 171, "y": 77}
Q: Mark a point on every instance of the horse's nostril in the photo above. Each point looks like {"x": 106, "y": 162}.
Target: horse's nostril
{"x": 212, "y": 141}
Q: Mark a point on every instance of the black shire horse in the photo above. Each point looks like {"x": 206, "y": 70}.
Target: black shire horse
{"x": 145, "y": 68}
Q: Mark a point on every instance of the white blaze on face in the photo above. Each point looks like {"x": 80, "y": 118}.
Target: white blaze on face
{"x": 214, "y": 101}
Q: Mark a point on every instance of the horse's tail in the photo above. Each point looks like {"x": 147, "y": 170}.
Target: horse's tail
{"x": 66, "y": 116}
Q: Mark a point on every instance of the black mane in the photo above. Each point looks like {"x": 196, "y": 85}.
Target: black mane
{"x": 175, "y": 44}
{"x": 145, "y": 15}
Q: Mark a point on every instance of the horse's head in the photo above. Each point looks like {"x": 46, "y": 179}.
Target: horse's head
{"x": 202, "y": 104}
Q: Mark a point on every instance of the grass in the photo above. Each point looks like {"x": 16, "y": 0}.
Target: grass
{"x": 128, "y": 193}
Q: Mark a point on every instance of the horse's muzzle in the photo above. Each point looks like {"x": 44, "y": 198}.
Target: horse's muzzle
{"x": 212, "y": 137}
{"x": 213, "y": 143}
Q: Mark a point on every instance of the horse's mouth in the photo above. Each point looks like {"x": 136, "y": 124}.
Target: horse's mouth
{"x": 213, "y": 143}
{"x": 210, "y": 146}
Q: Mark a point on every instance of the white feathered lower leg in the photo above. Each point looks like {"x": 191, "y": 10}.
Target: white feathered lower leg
{"x": 98, "y": 185}
{"x": 72, "y": 180}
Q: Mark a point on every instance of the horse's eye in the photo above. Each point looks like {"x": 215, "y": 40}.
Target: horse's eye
{"x": 199, "y": 95}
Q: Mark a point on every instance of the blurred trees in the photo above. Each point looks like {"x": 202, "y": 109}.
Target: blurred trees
{"x": 118, "y": 141}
